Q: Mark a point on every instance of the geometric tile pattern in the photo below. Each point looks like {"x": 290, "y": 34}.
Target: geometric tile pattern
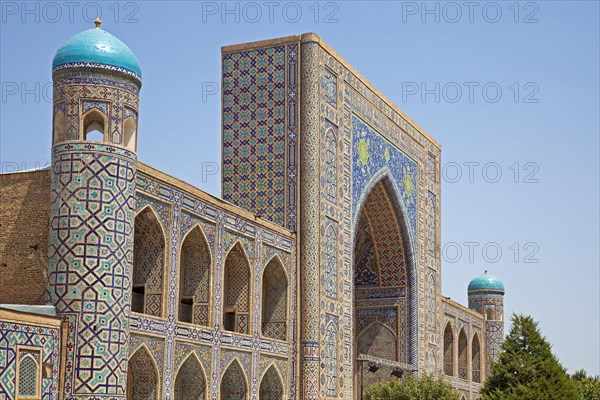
{"x": 195, "y": 276}
{"x": 271, "y": 387}
{"x": 190, "y": 383}
{"x": 329, "y": 86}
{"x": 233, "y": 383}
{"x": 329, "y": 178}
{"x": 259, "y": 128}
{"x": 90, "y": 255}
{"x": 330, "y": 357}
{"x": 148, "y": 261}
{"x": 366, "y": 265}
{"x": 448, "y": 351}
{"x": 28, "y": 375}
{"x": 237, "y": 287}
{"x": 476, "y": 359}
{"x": 44, "y": 338}
{"x": 330, "y": 259}
{"x": 142, "y": 376}
{"x": 431, "y": 206}
{"x": 462, "y": 355}
{"x": 274, "y": 301}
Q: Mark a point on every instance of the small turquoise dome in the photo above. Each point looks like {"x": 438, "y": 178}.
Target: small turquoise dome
{"x": 486, "y": 283}
{"x": 97, "y": 46}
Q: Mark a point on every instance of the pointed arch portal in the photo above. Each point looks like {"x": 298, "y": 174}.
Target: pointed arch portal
{"x": 382, "y": 281}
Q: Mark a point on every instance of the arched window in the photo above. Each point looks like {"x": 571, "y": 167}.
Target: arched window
{"x": 476, "y": 360}
{"x": 190, "y": 383}
{"x": 271, "y": 387}
{"x": 29, "y": 375}
{"x": 60, "y": 126}
{"x": 194, "y": 280}
{"x": 462, "y": 355}
{"x": 236, "y": 310}
{"x": 94, "y": 126}
{"x": 448, "y": 351}
{"x": 130, "y": 129}
{"x": 489, "y": 314}
{"x": 274, "y": 301}
{"x": 233, "y": 384}
{"x": 148, "y": 262}
{"x": 142, "y": 376}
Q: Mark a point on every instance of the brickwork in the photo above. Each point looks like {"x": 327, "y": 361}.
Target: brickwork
{"x": 24, "y": 216}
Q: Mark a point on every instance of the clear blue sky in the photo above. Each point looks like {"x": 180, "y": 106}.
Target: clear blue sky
{"x": 543, "y": 57}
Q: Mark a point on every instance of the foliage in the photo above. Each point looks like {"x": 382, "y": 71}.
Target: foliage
{"x": 588, "y": 386}
{"x": 411, "y": 388}
{"x": 527, "y": 369}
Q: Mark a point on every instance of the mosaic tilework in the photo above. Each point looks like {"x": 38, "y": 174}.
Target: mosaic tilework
{"x": 329, "y": 178}
{"x": 195, "y": 263}
{"x": 233, "y": 384}
{"x": 448, "y": 351}
{"x": 259, "y": 132}
{"x": 190, "y": 383}
{"x": 274, "y": 301}
{"x": 329, "y": 86}
{"x": 372, "y": 153}
{"x": 81, "y": 91}
{"x": 90, "y": 253}
{"x": 309, "y": 143}
{"x": 475, "y": 359}
{"x": 494, "y": 339}
{"x": 21, "y": 334}
{"x": 330, "y": 261}
{"x": 271, "y": 387}
{"x": 462, "y": 355}
{"x": 142, "y": 377}
{"x": 148, "y": 263}
{"x": 431, "y": 207}
{"x": 329, "y": 376}
{"x": 237, "y": 287}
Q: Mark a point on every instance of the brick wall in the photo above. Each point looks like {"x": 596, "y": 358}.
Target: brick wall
{"x": 24, "y": 219}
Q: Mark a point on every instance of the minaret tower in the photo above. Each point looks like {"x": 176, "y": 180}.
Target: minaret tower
{"x": 95, "y": 114}
{"x": 486, "y": 296}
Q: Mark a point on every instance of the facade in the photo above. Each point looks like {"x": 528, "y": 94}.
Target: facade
{"x": 321, "y": 261}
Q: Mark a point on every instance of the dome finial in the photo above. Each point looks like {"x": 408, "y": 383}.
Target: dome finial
{"x": 485, "y": 271}
{"x": 97, "y": 22}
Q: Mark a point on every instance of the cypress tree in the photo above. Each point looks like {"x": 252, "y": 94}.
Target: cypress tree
{"x": 526, "y": 368}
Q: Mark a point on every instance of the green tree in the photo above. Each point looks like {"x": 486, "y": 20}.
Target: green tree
{"x": 411, "y": 388}
{"x": 588, "y": 386}
{"x": 526, "y": 368}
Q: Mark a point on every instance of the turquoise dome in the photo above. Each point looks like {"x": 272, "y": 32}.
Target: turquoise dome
{"x": 97, "y": 46}
{"x": 486, "y": 283}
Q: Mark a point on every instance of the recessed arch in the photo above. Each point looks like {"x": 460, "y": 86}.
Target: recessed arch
{"x": 130, "y": 125}
{"x": 475, "y": 359}
{"x": 236, "y": 290}
{"x": 59, "y": 126}
{"x": 448, "y": 350}
{"x": 190, "y": 381}
{"x": 378, "y": 340}
{"x": 195, "y": 261}
{"x": 274, "y": 300}
{"x": 149, "y": 251}
{"x": 271, "y": 385}
{"x": 142, "y": 376}
{"x": 463, "y": 361}
{"x": 234, "y": 384}
{"x": 29, "y": 376}
{"x": 94, "y": 126}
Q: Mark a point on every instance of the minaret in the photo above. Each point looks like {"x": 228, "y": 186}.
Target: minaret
{"x": 486, "y": 296}
{"x": 95, "y": 114}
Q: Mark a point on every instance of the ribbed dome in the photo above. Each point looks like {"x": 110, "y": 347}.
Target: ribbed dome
{"x": 486, "y": 283}
{"x": 97, "y": 46}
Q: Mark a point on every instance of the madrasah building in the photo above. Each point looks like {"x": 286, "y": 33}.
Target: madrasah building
{"x": 316, "y": 274}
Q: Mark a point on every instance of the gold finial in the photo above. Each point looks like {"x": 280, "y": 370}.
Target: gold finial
{"x": 485, "y": 271}
{"x": 97, "y": 22}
